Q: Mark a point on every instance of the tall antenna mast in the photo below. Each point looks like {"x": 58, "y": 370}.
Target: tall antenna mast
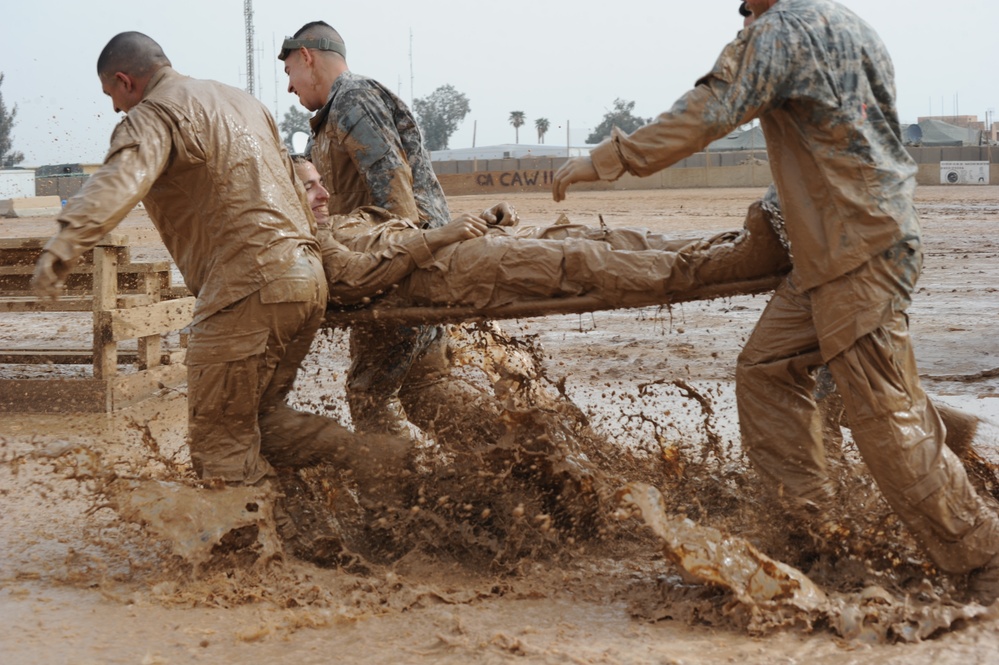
{"x": 248, "y": 18}
{"x": 275, "y": 60}
{"x": 411, "y": 76}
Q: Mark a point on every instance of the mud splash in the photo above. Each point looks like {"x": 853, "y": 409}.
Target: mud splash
{"x": 519, "y": 494}
{"x": 771, "y": 594}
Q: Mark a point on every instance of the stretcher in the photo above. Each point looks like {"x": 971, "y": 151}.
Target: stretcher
{"x": 388, "y": 311}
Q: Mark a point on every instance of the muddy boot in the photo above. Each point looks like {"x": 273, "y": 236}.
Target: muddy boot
{"x": 388, "y": 417}
{"x": 381, "y": 465}
{"x": 432, "y": 365}
{"x": 983, "y": 584}
{"x": 756, "y": 252}
{"x": 961, "y": 428}
{"x": 318, "y": 515}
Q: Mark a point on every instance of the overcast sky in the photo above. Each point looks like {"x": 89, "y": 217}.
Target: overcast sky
{"x": 565, "y": 60}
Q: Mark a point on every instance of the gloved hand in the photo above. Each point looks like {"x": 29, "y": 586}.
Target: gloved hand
{"x": 501, "y": 214}
{"x": 50, "y": 274}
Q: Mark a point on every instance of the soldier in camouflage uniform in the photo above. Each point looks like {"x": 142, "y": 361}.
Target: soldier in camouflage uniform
{"x": 822, "y": 84}
{"x": 369, "y": 150}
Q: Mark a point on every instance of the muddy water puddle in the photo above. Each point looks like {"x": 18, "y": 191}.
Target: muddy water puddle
{"x": 562, "y": 576}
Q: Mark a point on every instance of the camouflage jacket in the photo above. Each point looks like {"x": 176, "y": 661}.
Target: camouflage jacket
{"x": 208, "y": 163}
{"x": 369, "y": 151}
{"x": 822, "y": 84}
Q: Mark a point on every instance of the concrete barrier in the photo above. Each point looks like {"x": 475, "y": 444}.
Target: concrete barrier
{"x": 31, "y": 206}
{"x": 742, "y": 168}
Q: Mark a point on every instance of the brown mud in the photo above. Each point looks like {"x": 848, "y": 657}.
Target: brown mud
{"x": 508, "y": 543}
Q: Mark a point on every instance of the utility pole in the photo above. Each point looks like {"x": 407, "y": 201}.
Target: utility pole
{"x": 248, "y": 19}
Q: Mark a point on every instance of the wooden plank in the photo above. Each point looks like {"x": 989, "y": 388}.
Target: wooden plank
{"x": 128, "y": 389}
{"x": 88, "y": 395}
{"x": 75, "y": 357}
{"x": 174, "y": 292}
{"x": 38, "y": 242}
{"x": 533, "y": 308}
{"x": 154, "y": 319}
{"x": 54, "y": 395}
{"x": 70, "y": 303}
{"x": 149, "y": 345}
{"x": 141, "y": 268}
{"x": 105, "y": 298}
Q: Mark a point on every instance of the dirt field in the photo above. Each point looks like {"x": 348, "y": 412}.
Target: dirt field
{"x": 79, "y": 585}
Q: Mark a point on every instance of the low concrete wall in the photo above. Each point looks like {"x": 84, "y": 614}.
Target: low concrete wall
{"x": 717, "y": 169}
{"x": 31, "y": 206}
{"x": 17, "y": 183}
{"x": 62, "y": 186}
{"x": 513, "y": 181}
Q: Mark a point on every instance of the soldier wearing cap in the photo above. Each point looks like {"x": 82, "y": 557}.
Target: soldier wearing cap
{"x": 369, "y": 150}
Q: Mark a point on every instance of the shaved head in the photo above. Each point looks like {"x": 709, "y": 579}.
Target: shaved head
{"x": 320, "y": 30}
{"x": 133, "y": 53}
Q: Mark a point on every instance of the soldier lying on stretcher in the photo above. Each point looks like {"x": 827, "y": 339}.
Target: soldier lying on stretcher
{"x": 488, "y": 261}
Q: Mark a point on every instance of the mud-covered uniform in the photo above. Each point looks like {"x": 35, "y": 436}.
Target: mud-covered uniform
{"x": 371, "y": 252}
{"x": 207, "y": 161}
{"x": 822, "y": 84}
{"x": 369, "y": 151}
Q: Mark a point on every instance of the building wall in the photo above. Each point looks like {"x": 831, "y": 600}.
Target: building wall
{"x": 717, "y": 169}
{"x": 63, "y": 186}
{"x": 17, "y": 183}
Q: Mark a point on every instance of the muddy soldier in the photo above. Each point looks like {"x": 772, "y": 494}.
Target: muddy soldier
{"x": 369, "y": 150}
{"x": 487, "y": 261}
{"x": 822, "y": 84}
{"x": 208, "y": 163}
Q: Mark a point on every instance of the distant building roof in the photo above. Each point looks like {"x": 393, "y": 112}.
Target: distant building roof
{"x": 750, "y": 139}
{"x": 937, "y": 133}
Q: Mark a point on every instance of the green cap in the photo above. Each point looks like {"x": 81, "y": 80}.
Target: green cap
{"x": 319, "y": 43}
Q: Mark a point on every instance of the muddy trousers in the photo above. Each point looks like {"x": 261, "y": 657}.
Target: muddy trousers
{"x": 382, "y": 358}
{"x": 242, "y": 363}
{"x": 896, "y": 428}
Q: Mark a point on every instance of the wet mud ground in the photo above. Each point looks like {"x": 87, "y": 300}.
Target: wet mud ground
{"x": 79, "y": 584}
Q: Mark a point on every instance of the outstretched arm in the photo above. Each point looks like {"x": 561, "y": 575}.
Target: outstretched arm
{"x": 139, "y": 150}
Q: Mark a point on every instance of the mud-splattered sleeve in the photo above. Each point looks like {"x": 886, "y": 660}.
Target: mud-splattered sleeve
{"x": 370, "y": 137}
{"x": 356, "y": 275}
{"x": 140, "y": 147}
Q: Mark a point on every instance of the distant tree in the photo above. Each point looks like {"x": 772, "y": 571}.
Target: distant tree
{"x": 517, "y": 119}
{"x": 620, "y": 116}
{"x": 8, "y": 157}
{"x": 439, "y": 115}
{"x": 542, "y": 125}
{"x": 294, "y": 121}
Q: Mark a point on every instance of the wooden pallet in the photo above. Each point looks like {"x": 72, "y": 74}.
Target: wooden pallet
{"x": 128, "y": 299}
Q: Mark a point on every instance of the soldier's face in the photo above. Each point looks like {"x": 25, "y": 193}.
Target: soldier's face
{"x": 317, "y": 194}
{"x": 302, "y": 80}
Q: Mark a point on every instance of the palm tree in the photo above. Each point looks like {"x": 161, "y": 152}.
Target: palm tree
{"x": 517, "y": 120}
{"x": 542, "y": 126}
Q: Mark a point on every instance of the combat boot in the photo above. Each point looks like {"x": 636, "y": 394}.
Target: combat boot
{"x": 754, "y": 253}
{"x": 983, "y": 583}
{"x": 388, "y": 417}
